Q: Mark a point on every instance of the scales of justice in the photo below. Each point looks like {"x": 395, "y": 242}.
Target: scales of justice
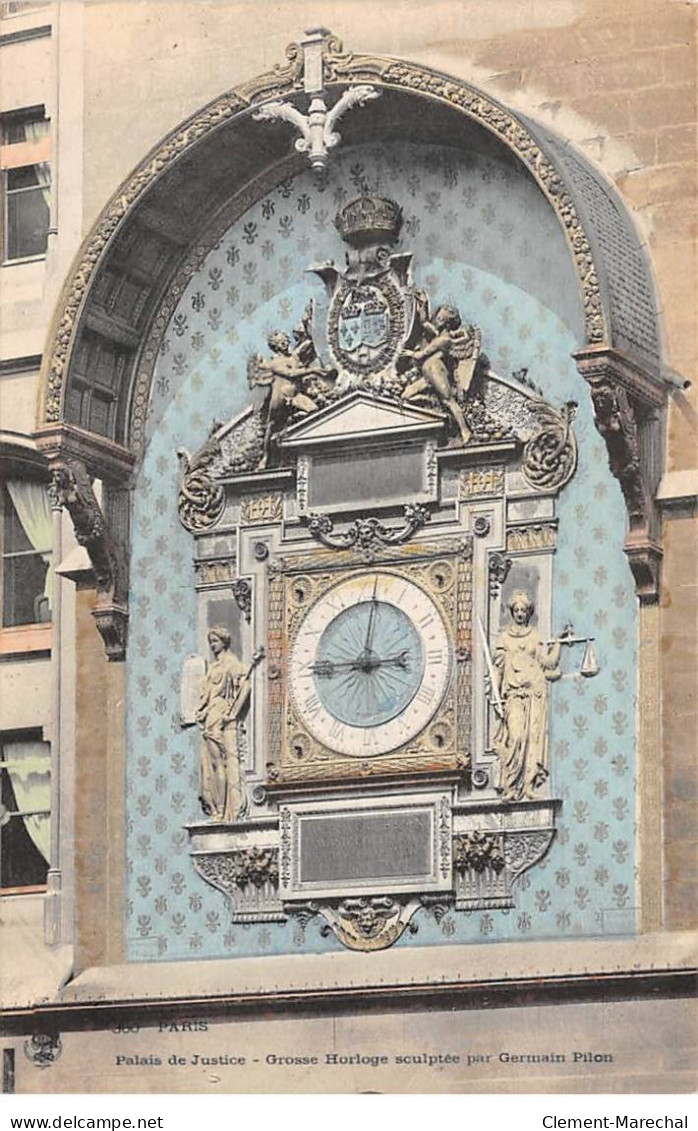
{"x": 374, "y": 548}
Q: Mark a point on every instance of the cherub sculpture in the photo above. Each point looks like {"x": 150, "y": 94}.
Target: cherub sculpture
{"x": 446, "y": 359}
{"x": 284, "y": 374}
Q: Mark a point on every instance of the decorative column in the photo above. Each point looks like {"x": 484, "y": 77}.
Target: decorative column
{"x": 53, "y": 898}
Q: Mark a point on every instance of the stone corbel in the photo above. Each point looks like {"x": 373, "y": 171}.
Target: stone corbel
{"x": 247, "y": 876}
{"x": 362, "y": 923}
{"x": 71, "y": 488}
{"x": 628, "y": 402}
{"x": 487, "y": 863}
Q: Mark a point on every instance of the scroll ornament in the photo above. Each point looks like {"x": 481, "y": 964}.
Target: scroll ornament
{"x": 550, "y": 456}
{"x": 201, "y": 500}
{"x": 367, "y": 534}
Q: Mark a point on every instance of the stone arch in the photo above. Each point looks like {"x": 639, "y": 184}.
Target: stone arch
{"x": 158, "y": 226}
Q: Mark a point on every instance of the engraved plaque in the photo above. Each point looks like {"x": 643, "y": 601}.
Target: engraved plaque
{"x": 366, "y": 476}
{"x": 369, "y": 846}
{"x": 366, "y": 846}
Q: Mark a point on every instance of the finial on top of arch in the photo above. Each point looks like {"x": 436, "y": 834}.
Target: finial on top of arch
{"x": 317, "y": 127}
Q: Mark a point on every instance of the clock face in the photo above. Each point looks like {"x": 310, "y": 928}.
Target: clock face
{"x": 370, "y": 664}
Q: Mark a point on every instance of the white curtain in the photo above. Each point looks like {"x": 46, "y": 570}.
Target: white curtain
{"x": 34, "y": 131}
{"x": 29, "y": 767}
{"x": 30, "y": 500}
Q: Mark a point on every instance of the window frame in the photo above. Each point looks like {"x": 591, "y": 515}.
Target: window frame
{"x": 24, "y": 734}
{"x": 23, "y": 155}
{"x": 35, "y": 636}
{"x": 31, "y": 7}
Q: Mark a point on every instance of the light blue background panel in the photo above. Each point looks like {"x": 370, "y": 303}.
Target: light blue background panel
{"x": 485, "y": 240}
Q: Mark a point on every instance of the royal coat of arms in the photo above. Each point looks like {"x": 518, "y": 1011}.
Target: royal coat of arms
{"x": 375, "y": 331}
{"x": 369, "y": 311}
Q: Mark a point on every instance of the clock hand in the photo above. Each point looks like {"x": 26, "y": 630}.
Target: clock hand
{"x": 368, "y": 664}
{"x": 401, "y": 660}
{"x": 371, "y": 619}
{"x": 327, "y": 668}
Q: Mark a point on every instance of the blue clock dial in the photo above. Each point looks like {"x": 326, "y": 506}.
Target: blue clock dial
{"x": 369, "y": 664}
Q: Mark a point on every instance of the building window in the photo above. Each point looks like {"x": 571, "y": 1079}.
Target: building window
{"x": 25, "y": 811}
{"x": 25, "y": 150}
{"x": 19, "y": 7}
{"x": 25, "y": 539}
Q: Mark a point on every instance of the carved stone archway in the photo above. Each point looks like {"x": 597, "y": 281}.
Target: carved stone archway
{"x": 159, "y": 225}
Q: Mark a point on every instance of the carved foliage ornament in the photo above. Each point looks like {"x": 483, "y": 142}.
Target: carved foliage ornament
{"x": 316, "y": 128}
{"x": 477, "y": 851}
{"x": 256, "y": 866}
{"x": 249, "y": 878}
{"x": 247, "y": 866}
{"x": 338, "y": 67}
{"x": 488, "y": 862}
{"x": 368, "y": 535}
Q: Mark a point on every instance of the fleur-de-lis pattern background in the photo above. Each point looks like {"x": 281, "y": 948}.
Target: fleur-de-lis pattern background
{"x": 484, "y": 239}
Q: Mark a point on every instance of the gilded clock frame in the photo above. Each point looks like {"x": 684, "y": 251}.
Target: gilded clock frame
{"x": 443, "y": 569}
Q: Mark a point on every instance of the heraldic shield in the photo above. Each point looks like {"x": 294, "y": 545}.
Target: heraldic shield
{"x": 369, "y": 312}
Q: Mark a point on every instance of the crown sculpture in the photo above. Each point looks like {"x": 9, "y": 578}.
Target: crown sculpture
{"x": 369, "y": 220}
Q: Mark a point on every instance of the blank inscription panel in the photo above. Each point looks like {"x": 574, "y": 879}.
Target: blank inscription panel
{"x": 366, "y": 846}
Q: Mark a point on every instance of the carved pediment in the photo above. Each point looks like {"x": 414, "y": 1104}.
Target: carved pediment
{"x": 362, "y": 415}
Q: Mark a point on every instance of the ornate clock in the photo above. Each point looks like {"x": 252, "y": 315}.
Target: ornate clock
{"x": 370, "y": 531}
{"x": 373, "y": 661}
{"x": 370, "y": 664}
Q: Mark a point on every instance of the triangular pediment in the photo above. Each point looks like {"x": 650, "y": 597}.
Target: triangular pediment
{"x": 235, "y": 423}
{"x": 361, "y": 415}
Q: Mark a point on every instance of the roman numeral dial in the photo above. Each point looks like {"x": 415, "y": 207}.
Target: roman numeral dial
{"x": 370, "y": 664}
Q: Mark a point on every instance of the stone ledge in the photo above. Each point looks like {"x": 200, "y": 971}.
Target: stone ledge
{"x": 678, "y": 487}
{"x": 401, "y": 968}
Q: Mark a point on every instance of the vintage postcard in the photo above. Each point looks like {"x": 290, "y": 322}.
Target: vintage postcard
{"x": 348, "y": 472}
